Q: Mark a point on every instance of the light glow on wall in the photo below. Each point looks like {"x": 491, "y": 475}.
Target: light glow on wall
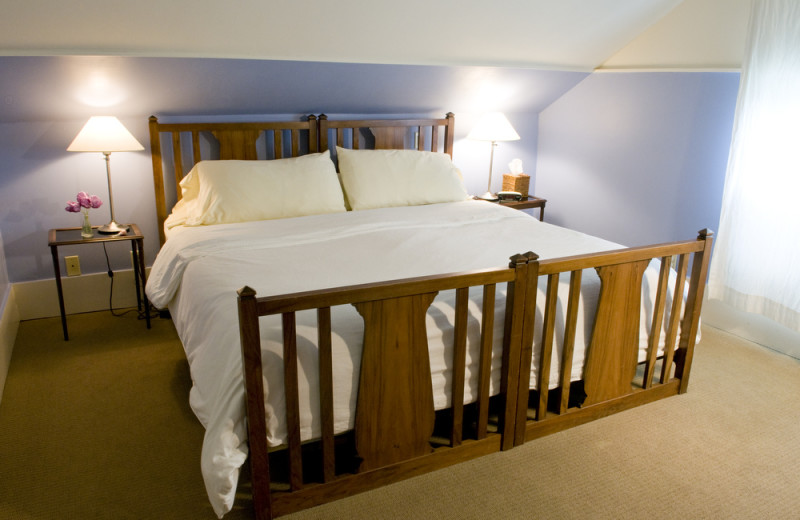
{"x": 99, "y": 91}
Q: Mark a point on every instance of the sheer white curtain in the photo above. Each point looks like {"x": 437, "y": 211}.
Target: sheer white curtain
{"x": 756, "y": 263}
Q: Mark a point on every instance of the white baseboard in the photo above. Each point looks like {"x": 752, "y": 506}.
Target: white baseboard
{"x": 9, "y": 323}
{"x": 86, "y": 293}
{"x": 753, "y": 327}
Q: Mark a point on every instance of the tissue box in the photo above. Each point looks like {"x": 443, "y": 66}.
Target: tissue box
{"x": 519, "y": 183}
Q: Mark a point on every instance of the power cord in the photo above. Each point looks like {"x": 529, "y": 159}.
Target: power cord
{"x": 141, "y": 313}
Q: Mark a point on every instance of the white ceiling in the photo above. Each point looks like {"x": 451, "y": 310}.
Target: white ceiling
{"x": 549, "y": 34}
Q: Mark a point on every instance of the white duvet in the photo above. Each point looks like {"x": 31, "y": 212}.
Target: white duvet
{"x": 199, "y": 269}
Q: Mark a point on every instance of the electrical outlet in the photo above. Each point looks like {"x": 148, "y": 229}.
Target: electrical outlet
{"x": 73, "y": 265}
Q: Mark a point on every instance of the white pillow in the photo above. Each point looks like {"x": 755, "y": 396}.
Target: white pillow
{"x": 223, "y": 192}
{"x": 385, "y": 178}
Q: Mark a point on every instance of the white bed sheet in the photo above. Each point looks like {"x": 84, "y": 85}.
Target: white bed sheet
{"x": 199, "y": 270}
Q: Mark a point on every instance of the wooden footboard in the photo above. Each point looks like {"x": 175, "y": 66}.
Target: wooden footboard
{"x": 398, "y": 434}
{"x": 613, "y": 378}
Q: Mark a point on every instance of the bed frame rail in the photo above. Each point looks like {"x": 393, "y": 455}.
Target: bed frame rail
{"x": 610, "y": 382}
{"x": 394, "y": 435}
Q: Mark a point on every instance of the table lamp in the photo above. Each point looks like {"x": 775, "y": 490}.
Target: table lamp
{"x": 493, "y": 127}
{"x": 105, "y": 134}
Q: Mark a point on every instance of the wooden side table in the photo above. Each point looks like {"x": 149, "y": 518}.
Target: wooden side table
{"x": 527, "y": 203}
{"x": 72, "y": 236}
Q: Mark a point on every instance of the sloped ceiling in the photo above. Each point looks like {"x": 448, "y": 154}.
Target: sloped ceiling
{"x": 697, "y": 34}
{"x": 565, "y": 34}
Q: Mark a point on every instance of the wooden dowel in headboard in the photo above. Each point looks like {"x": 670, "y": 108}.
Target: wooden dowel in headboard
{"x": 277, "y": 141}
{"x": 177, "y": 160}
{"x": 196, "y": 146}
{"x": 294, "y": 141}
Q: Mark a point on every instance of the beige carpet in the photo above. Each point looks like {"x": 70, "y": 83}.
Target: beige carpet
{"x": 99, "y": 427}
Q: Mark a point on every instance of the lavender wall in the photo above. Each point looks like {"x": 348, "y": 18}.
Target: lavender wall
{"x": 4, "y": 283}
{"x": 632, "y": 157}
{"x": 638, "y": 157}
{"x": 44, "y": 101}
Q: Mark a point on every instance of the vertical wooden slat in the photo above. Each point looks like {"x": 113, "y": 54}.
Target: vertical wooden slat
{"x": 485, "y": 371}
{"x": 278, "y": 144}
{"x": 294, "y": 137}
{"x": 546, "y": 349}
{"x": 674, "y": 319}
{"x": 658, "y": 319}
{"x": 390, "y": 138}
{"x": 250, "y": 337}
{"x": 394, "y": 386}
{"x": 326, "y": 392}
{"x": 340, "y": 138}
{"x": 177, "y": 159}
{"x": 613, "y": 353}
{"x": 290, "y": 380}
{"x": 459, "y": 366}
{"x": 570, "y": 328}
{"x": 196, "y": 146}
{"x": 435, "y": 138}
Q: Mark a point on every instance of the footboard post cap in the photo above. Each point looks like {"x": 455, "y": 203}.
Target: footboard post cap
{"x": 246, "y": 292}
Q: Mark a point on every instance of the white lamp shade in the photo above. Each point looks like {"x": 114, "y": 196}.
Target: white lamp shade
{"x": 104, "y": 134}
{"x": 493, "y": 126}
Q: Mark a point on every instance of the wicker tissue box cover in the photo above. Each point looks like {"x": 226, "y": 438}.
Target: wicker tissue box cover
{"x": 519, "y": 183}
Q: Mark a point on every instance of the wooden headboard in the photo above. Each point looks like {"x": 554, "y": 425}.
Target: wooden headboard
{"x": 388, "y": 134}
{"x": 177, "y": 147}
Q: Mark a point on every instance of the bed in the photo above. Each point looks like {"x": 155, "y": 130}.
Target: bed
{"x": 347, "y": 329}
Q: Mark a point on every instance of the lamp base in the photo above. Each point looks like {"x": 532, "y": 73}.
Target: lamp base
{"x": 489, "y": 196}
{"x": 112, "y": 228}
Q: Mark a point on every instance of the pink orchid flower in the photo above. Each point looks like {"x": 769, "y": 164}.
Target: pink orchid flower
{"x": 84, "y": 200}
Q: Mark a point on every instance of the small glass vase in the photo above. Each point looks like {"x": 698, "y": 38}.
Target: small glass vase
{"x": 86, "y": 230}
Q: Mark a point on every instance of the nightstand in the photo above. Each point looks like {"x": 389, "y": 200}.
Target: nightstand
{"x": 72, "y": 236}
{"x": 526, "y": 203}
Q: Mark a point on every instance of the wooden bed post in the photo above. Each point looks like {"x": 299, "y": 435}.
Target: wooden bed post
{"x": 515, "y": 346}
{"x": 526, "y": 346}
{"x": 158, "y": 176}
{"x": 448, "y": 134}
{"x": 691, "y": 315}
{"x": 254, "y": 402}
